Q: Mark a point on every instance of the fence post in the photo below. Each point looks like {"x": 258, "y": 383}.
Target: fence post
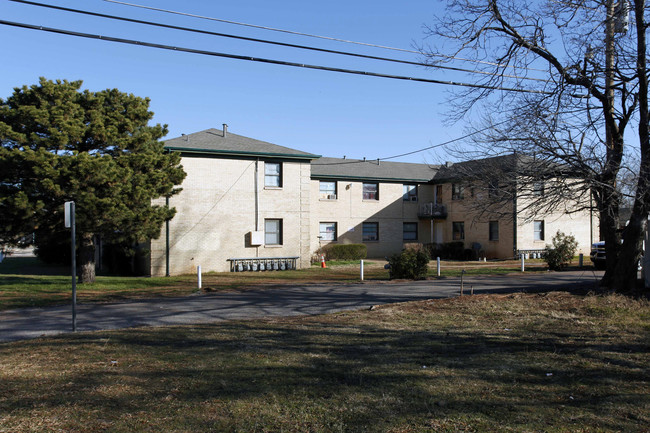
{"x": 361, "y": 269}
{"x": 198, "y": 275}
{"x": 523, "y": 266}
{"x": 462, "y": 274}
{"x": 438, "y": 265}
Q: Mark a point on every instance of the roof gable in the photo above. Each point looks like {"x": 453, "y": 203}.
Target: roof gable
{"x": 214, "y": 141}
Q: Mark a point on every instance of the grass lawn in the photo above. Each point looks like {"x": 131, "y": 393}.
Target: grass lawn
{"x": 550, "y": 362}
{"x": 27, "y": 282}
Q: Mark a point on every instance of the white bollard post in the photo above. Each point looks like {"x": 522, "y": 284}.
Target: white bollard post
{"x": 438, "y": 265}
{"x": 523, "y": 259}
{"x": 198, "y": 275}
{"x": 361, "y": 270}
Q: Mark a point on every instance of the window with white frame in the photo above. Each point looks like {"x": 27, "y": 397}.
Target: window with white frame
{"x": 273, "y": 232}
{"x": 538, "y": 189}
{"x": 273, "y": 174}
{"x": 494, "y": 230}
{"x": 538, "y": 230}
{"x": 371, "y": 191}
{"x": 458, "y": 231}
{"x": 410, "y": 193}
{"x": 327, "y": 190}
{"x": 410, "y": 231}
{"x": 370, "y": 232}
{"x": 327, "y": 231}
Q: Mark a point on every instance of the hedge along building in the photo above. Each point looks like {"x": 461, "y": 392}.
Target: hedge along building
{"x": 246, "y": 198}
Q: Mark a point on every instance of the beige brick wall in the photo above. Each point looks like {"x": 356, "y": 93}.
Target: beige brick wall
{"x": 216, "y": 211}
{"x": 350, "y": 211}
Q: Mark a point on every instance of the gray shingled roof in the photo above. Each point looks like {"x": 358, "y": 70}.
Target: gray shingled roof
{"x": 337, "y": 168}
{"x": 212, "y": 141}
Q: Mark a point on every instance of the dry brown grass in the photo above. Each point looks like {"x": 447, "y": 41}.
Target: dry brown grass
{"x": 550, "y": 362}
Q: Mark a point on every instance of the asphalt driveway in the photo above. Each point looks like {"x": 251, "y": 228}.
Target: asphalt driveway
{"x": 290, "y": 300}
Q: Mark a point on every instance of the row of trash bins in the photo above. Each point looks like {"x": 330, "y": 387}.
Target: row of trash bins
{"x": 262, "y": 264}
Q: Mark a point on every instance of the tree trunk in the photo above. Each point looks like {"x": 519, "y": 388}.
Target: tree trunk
{"x": 625, "y": 274}
{"x": 87, "y": 258}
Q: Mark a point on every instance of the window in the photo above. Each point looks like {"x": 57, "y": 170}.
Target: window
{"x": 273, "y": 174}
{"x": 370, "y": 232}
{"x": 327, "y": 231}
{"x": 457, "y": 191}
{"x": 538, "y": 189}
{"x": 494, "y": 230}
{"x": 327, "y": 190}
{"x": 410, "y": 231}
{"x": 438, "y": 194}
{"x": 272, "y": 232}
{"x": 493, "y": 188}
{"x": 458, "y": 231}
{"x": 371, "y": 191}
{"x": 410, "y": 193}
{"x": 538, "y": 230}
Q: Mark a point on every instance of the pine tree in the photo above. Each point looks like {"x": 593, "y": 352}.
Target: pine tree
{"x": 59, "y": 143}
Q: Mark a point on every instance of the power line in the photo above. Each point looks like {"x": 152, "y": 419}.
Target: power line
{"x": 262, "y": 60}
{"x": 264, "y": 41}
{"x": 420, "y": 150}
{"x": 329, "y": 38}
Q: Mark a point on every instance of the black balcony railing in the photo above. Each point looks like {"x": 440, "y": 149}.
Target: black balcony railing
{"x": 432, "y": 211}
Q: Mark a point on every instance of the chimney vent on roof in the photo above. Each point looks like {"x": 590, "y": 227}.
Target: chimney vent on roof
{"x": 448, "y": 164}
{"x": 225, "y": 129}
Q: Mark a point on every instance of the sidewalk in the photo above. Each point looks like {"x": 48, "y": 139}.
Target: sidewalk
{"x": 271, "y": 301}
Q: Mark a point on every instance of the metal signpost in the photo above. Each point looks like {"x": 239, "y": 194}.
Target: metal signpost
{"x": 70, "y": 223}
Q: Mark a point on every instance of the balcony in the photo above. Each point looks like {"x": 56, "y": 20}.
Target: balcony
{"x": 432, "y": 211}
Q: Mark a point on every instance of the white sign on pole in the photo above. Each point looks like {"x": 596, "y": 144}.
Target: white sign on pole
{"x": 67, "y": 212}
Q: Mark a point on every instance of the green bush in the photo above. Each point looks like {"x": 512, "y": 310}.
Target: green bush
{"x": 560, "y": 254}
{"x": 410, "y": 263}
{"x": 344, "y": 252}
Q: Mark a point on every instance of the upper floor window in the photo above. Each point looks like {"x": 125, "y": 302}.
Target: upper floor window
{"x": 457, "y": 191}
{"x": 493, "y": 188}
{"x": 327, "y": 190}
{"x": 538, "y": 230}
{"x": 273, "y": 174}
{"x": 538, "y": 189}
{"x": 410, "y": 193}
{"x": 371, "y": 191}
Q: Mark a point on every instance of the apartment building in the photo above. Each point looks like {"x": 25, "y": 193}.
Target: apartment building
{"x": 245, "y": 201}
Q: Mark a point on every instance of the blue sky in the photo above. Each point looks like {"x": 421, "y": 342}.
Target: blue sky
{"x": 326, "y": 113}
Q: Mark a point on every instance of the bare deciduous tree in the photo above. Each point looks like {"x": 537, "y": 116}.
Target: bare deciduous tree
{"x": 584, "y": 93}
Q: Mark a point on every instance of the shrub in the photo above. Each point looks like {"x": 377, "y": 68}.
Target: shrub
{"x": 560, "y": 254}
{"x": 410, "y": 263}
{"x": 344, "y": 252}
{"x": 448, "y": 250}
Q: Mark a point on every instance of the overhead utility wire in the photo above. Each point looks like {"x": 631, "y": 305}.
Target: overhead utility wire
{"x": 261, "y": 60}
{"x": 419, "y": 150}
{"x": 264, "y": 41}
{"x": 329, "y": 38}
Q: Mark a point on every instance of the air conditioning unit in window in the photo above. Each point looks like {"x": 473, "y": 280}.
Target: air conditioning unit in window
{"x": 331, "y": 196}
{"x": 414, "y": 198}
